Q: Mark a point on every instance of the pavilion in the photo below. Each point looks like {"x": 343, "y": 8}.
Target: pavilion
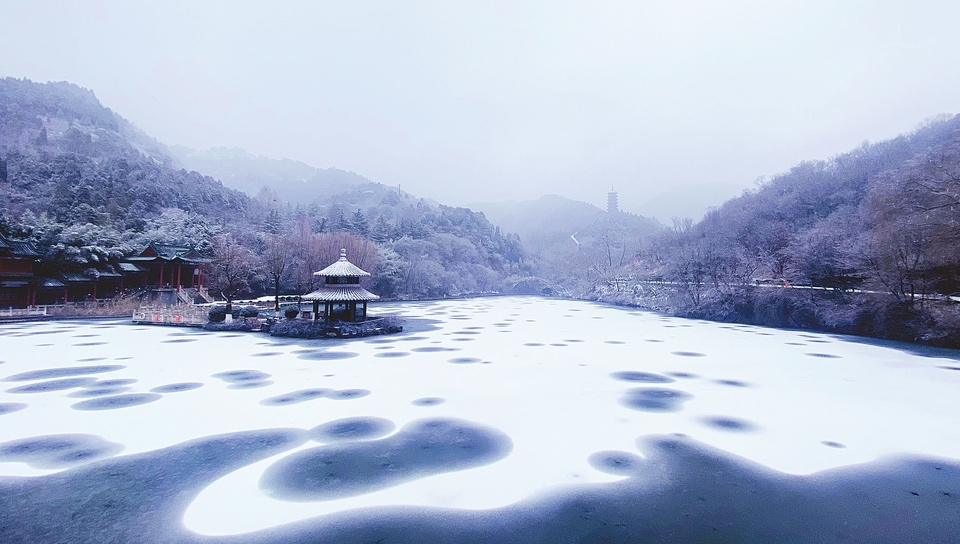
{"x": 343, "y": 298}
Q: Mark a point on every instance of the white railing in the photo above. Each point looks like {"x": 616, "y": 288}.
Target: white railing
{"x": 170, "y": 315}
{"x": 33, "y": 311}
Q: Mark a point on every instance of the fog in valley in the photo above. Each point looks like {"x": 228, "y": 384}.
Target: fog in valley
{"x": 677, "y": 105}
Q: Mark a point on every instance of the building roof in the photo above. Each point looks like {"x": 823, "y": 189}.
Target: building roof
{"x": 75, "y": 278}
{"x": 163, "y": 252}
{"x": 342, "y": 268}
{"x": 340, "y": 293}
{"x": 50, "y": 283}
{"x": 17, "y": 248}
{"x": 130, "y": 267}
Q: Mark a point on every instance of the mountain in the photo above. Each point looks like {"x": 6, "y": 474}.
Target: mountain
{"x": 552, "y": 219}
{"x": 60, "y": 117}
{"x": 868, "y": 241}
{"x": 87, "y": 189}
{"x": 291, "y": 181}
{"x": 688, "y": 201}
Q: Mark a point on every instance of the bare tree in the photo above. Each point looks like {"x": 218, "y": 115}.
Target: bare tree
{"x": 276, "y": 260}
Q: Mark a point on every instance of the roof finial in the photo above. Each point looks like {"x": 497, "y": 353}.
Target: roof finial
{"x": 343, "y": 254}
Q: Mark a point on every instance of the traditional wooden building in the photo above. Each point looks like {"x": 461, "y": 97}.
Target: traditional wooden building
{"x": 18, "y": 283}
{"x": 172, "y": 274}
{"x": 343, "y": 298}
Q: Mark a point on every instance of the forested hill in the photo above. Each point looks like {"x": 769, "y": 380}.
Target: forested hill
{"x": 877, "y": 228}
{"x": 289, "y": 180}
{"x": 89, "y": 188}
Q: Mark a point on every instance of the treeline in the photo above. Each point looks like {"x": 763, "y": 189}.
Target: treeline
{"x": 867, "y": 243}
{"x": 89, "y": 189}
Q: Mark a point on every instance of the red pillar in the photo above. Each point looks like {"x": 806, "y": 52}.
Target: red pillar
{"x": 178, "y": 276}
{"x": 160, "y": 283}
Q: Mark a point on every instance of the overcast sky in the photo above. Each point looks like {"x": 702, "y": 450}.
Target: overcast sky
{"x": 489, "y": 101}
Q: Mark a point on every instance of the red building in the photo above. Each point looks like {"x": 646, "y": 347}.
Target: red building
{"x": 171, "y": 272}
{"x": 18, "y": 282}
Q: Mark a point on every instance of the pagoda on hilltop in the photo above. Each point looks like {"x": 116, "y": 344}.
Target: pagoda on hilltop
{"x": 343, "y": 298}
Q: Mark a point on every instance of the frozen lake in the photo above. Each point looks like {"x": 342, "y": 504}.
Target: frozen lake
{"x": 512, "y": 418}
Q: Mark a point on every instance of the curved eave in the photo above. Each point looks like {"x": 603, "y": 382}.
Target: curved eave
{"x": 340, "y": 294}
{"x": 342, "y": 268}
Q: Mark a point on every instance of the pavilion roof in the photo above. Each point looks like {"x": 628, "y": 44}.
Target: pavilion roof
{"x": 342, "y": 268}
{"x": 340, "y": 293}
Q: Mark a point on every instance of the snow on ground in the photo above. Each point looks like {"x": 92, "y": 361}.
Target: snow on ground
{"x": 563, "y": 380}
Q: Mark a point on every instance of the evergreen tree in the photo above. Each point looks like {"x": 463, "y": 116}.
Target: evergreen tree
{"x": 359, "y": 224}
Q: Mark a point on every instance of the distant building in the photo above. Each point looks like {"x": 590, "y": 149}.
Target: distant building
{"x": 612, "y": 206}
{"x": 18, "y": 283}
{"x": 343, "y": 298}
{"x": 171, "y": 273}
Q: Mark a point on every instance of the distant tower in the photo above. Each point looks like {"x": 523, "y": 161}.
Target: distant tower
{"x": 612, "y": 201}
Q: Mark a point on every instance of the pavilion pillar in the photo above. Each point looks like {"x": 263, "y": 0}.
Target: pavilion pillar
{"x": 160, "y": 281}
{"x": 179, "y": 267}
{"x": 316, "y": 310}
{"x": 95, "y": 290}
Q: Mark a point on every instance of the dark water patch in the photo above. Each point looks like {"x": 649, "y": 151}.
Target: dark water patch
{"x": 58, "y": 450}
{"x": 462, "y": 339}
{"x": 559, "y": 345}
{"x": 466, "y": 332}
{"x": 474, "y": 328}
{"x": 328, "y": 355}
{"x": 42, "y": 345}
{"x": 732, "y": 383}
{"x": 241, "y": 376}
{"x": 463, "y": 360}
{"x": 53, "y": 385}
{"x": 949, "y": 367}
{"x": 114, "y": 383}
{"x": 795, "y": 343}
{"x": 11, "y": 407}
{"x": 645, "y": 377}
{"x": 533, "y": 344}
{"x": 501, "y": 324}
{"x": 98, "y": 392}
{"x": 351, "y": 429}
{"x": 176, "y": 387}
{"x": 178, "y": 341}
{"x": 653, "y": 340}
{"x": 412, "y": 339}
{"x": 379, "y": 341}
{"x": 87, "y": 344}
{"x": 116, "y": 402}
{"x": 421, "y": 448}
{"x": 688, "y": 354}
{"x": 728, "y": 423}
{"x": 614, "y": 342}
{"x": 823, "y": 355}
{"x": 433, "y": 349}
{"x": 461, "y": 317}
{"x": 686, "y": 375}
{"x": 85, "y": 335}
{"x": 62, "y": 372}
{"x": 122, "y": 358}
{"x": 385, "y": 347}
{"x": 91, "y": 359}
{"x": 392, "y": 354}
{"x": 348, "y": 394}
{"x": 266, "y": 354}
{"x": 821, "y": 341}
{"x": 573, "y": 340}
{"x": 620, "y": 463}
{"x": 654, "y": 399}
{"x": 297, "y": 397}
{"x": 250, "y": 385}
{"x": 832, "y": 444}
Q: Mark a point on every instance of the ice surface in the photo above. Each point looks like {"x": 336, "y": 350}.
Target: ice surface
{"x": 572, "y": 387}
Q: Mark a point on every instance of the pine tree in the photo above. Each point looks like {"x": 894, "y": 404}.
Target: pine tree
{"x": 359, "y": 224}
